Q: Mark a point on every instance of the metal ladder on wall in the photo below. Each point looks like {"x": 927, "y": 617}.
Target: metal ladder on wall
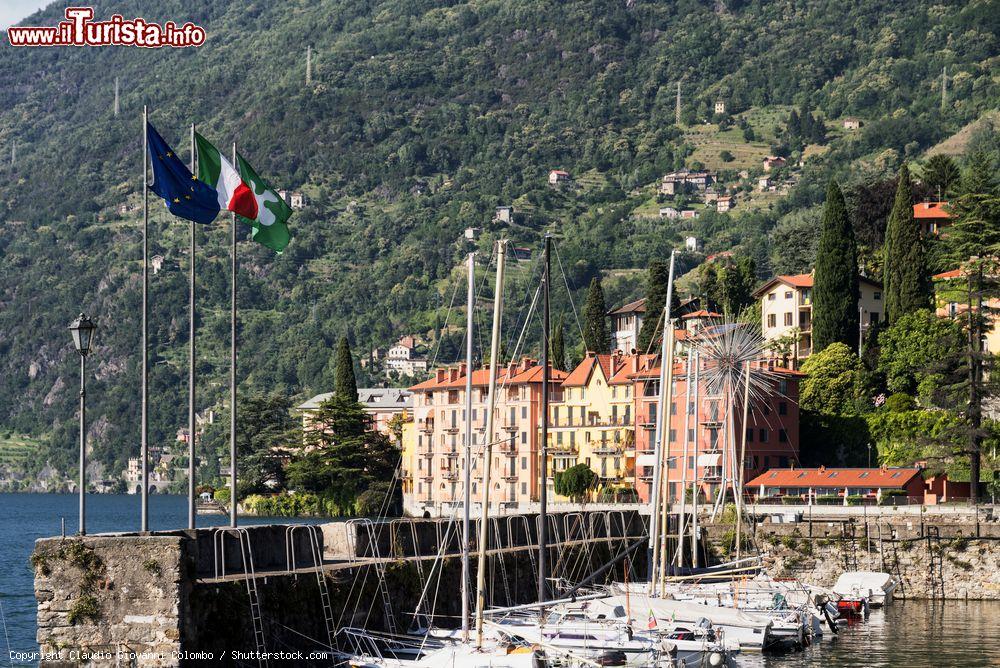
{"x": 890, "y": 556}
{"x": 850, "y": 550}
{"x": 381, "y": 585}
{"x": 242, "y": 537}
{"x": 935, "y": 573}
{"x": 313, "y": 533}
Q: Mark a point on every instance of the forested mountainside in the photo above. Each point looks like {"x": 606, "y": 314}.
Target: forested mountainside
{"x": 420, "y": 118}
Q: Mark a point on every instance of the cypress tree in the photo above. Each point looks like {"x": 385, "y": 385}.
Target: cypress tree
{"x": 596, "y": 335}
{"x": 835, "y": 286}
{"x": 905, "y": 274}
{"x": 558, "y": 346}
{"x": 344, "y": 383}
{"x": 656, "y": 297}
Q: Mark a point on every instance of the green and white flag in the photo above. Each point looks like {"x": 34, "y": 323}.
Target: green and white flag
{"x": 269, "y": 225}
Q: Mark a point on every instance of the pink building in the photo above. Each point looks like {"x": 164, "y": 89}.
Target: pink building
{"x": 439, "y": 418}
{"x": 772, "y": 432}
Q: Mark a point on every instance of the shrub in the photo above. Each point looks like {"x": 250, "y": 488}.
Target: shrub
{"x": 827, "y": 500}
{"x": 222, "y": 495}
{"x": 791, "y": 500}
{"x": 789, "y": 541}
{"x": 890, "y": 496}
{"x": 855, "y": 500}
{"x": 84, "y": 608}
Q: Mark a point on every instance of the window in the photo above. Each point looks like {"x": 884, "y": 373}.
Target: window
{"x": 873, "y": 318}
{"x": 524, "y": 437}
{"x": 788, "y": 320}
{"x": 770, "y": 297}
{"x": 749, "y": 434}
{"x": 524, "y": 412}
{"x": 524, "y": 488}
{"x": 788, "y": 294}
{"x": 877, "y": 296}
{"x": 772, "y": 320}
{"x": 782, "y": 436}
{"x": 673, "y": 435}
{"x": 763, "y": 435}
{"x": 782, "y": 408}
{"x": 524, "y": 463}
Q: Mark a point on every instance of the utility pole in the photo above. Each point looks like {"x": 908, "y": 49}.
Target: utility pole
{"x": 944, "y": 87}
{"x": 116, "y": 96}
{"x": 309, "y": 65}
{"x": 677, "y": 108}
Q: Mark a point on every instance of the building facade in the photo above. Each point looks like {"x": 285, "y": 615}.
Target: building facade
{"x": 404, "y": 359}
{"x": 438, "y": 455}
{"x": 381, "y": 404}
{"x": 772, "y": 430}
{"x": 786, "y": 313}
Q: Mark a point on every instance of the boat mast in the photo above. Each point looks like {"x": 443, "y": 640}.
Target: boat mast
{"x": 679, "y": 554}
{"x": 543, "y": 495}
{"x": 741, "y": 467}
{"x": 466, "y": 474}
{"x": 694, "y": 471}
{"x": 659, "y": 453}
{"x": 483, "y": 534}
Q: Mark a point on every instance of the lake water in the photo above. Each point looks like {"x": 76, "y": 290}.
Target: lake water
{"x": 907, "y": 634}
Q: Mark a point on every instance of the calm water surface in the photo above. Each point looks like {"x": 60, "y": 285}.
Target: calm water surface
{"x": 907, "y": 634}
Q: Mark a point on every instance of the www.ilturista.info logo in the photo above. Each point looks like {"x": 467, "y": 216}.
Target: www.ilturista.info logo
{"x": 80, "y": 30}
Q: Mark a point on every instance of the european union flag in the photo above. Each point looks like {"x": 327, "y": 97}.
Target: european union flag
{"x": 185, "y": 195}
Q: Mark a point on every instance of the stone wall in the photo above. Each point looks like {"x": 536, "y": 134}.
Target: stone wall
{"x": 108, "y": 597}
{"x": 953, "y": 560}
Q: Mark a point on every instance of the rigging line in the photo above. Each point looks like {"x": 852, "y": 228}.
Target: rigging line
{"x": 659, "y": 324}
{"x": 447, "y": 317}
{"x": 536, "y": 264}
{"x": 569, "y": 292}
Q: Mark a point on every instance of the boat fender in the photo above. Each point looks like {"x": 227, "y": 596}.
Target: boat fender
{"x": 715, "y": 659}
{"x": 538, "y": 659}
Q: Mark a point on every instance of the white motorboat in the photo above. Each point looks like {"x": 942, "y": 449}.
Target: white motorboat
{"x": 876, "y": 588}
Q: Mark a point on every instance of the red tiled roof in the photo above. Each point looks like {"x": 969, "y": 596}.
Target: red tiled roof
{"x": 888, "y": 478}
{"x": 638, "y": 306}
{"x": 702, "y": 314}
{"x": 801, "y": 281}
{"x": 931, "y": 210}
{"x": 945, "y": 275}
{"x": 481, "y": 378}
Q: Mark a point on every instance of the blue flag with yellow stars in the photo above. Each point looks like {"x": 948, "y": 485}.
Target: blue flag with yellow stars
{"x": 185, "y": 195}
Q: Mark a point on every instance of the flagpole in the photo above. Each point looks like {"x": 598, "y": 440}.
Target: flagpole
{"x": 144, "y": 429}
{"x": 191, "y": 371}
{"x": 232, "y": 370}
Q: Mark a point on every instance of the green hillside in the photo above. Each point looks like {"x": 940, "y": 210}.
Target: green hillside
{"x": 420, "y": 119}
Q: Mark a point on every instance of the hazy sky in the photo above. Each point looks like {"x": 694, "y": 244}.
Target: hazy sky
{"x": 12, "y": 11}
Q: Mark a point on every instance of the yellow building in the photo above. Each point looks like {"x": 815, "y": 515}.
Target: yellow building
{"x": 590, "y": 422}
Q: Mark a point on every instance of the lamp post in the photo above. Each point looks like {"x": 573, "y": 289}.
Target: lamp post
{"x": 83, "y": 331}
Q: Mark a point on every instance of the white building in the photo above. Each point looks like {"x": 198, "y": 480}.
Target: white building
{"x": 404, "y": 359}
{"x": 503, "y": 214}
{"x": 557, "y": 176}
{"x": 786, "y": 311}
{"x": 625, "y": 325}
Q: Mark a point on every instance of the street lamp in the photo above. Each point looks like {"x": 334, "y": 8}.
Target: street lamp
{"x": 82, "y": 330}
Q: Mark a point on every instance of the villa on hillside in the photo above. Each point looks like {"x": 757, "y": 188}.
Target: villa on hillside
{"x": 932, "y": 217}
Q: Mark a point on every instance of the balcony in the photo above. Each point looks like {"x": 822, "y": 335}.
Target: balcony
{"x": 452, "y": 429}
{"x": 427, "y": 426}
{"x": 510, "y": 477}
{"x": 509, "y": 426}
{"x": 564, "y": 451}
{"x": 449, "y": 475}
{"x": 647, "y": 422}
{"x": 452, "y": 454}
{"x": 509, "y": 449}
{"x": 608, "y": 449}
{"x": 712, "y": 423}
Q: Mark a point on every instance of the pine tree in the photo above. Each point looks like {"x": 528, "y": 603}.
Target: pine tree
{"x": 558, "y": 346}
{"x": 835, "y": 286}
{"x": 973, "y": 243}
{"x": 941, "y": 174}
{"x": 904, "y": 276}
{"x": 656, "y": 297}
{"x": 596, "y": 335}
{"x": 344, "y": 383}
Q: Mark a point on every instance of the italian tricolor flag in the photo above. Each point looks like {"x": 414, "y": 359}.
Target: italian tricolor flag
{"x": 246, "y": 194}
